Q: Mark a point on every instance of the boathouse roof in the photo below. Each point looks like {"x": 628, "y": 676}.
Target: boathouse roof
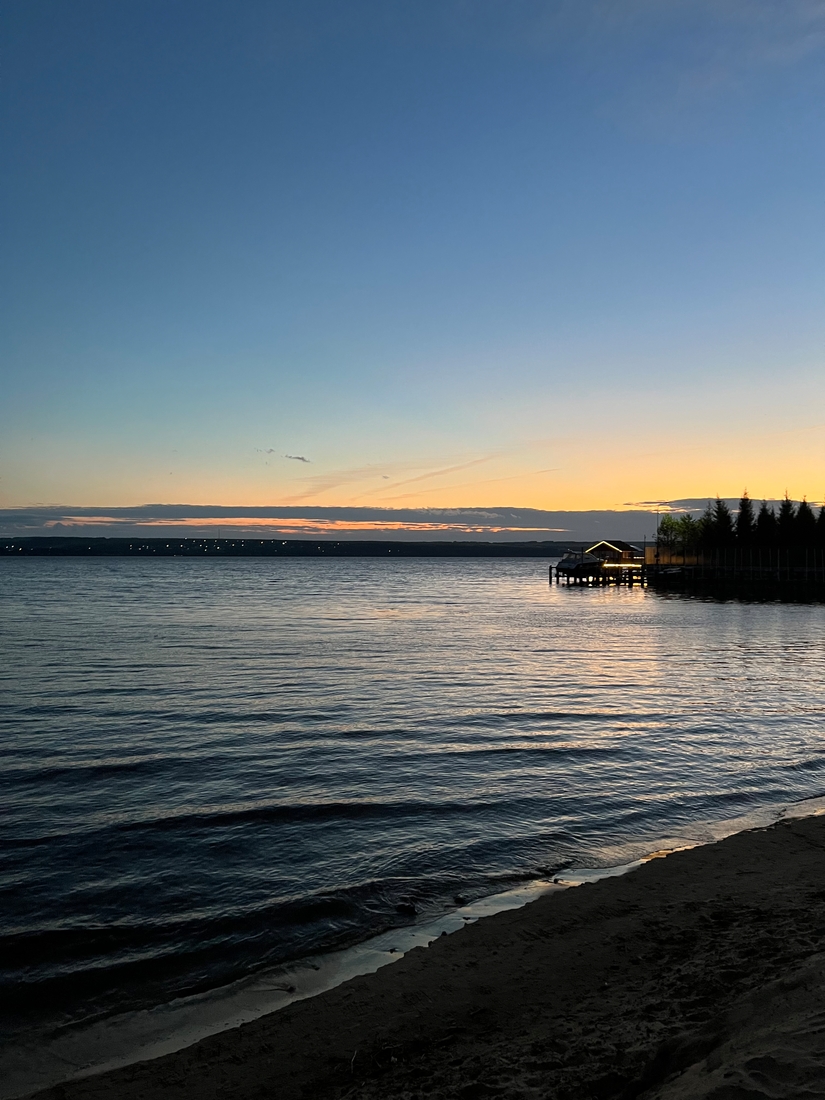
{"x": 615, "y": 544}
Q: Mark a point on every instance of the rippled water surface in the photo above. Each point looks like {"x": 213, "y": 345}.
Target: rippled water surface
{"x": 211, "y": 766}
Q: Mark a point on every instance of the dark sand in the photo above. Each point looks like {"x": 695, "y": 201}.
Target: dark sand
{"x": 698, "y": 975}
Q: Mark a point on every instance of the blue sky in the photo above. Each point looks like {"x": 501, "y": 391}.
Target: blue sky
{"x": 554, "y": 255}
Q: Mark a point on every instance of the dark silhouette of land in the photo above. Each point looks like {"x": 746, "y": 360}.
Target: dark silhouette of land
{"x": 264, "y": 548}
{"x": 764, "y": 554}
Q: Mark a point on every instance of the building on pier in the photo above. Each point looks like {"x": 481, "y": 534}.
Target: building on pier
{"x": 613, "y": 562}
{"x": 618, "y": 555}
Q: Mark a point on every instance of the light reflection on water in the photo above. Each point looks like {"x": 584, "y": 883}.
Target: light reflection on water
{"x": 210, "y": 766}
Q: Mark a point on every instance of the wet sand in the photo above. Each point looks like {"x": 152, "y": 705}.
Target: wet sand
{"x": 698, "y": 975}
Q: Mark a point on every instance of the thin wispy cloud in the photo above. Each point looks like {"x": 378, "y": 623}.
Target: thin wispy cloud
{"x": 654, "y": 66}
{"x": 274, "y": 451}
{"x": 474, "y": 485}
{"x": 316, "y": 485}
{"x": 443, "y": 472}
{"x": 735, "y": 32}
{"x": 365, "y": 478}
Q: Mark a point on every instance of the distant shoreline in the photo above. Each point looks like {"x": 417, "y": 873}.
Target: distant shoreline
{"x": 77, "y": 546}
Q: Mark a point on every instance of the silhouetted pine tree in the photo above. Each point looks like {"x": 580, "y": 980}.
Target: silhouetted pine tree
{"x": 765, "y": 526}
{"x": 745, "y": 521}
{"x": 820, "y": 528}
{"x": 723, "y": 532}
{"x": 717, "y": 528}
{"x": 704, "y": 527}
{"x": 805, "y": 525}
{"x": 785, "y": 523}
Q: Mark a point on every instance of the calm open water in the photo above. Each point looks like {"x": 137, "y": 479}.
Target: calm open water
{"x": 213, "y": 766}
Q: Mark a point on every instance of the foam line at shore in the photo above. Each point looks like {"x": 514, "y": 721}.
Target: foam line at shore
{"x": 151, "y": 1033}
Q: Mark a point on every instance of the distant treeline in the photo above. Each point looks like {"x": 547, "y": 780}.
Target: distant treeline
{"x": 790, "y": 527}
{"x": 67, "y": 545}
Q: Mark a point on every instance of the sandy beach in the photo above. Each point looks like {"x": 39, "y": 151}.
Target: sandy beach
{"x": 697, "y": 975}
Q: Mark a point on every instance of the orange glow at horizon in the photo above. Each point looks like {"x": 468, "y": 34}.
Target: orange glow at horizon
{"x": 596, "y": 470}
{"x": 288, "y": 525}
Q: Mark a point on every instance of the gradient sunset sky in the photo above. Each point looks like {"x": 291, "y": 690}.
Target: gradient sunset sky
{"x": 553, "y": 255}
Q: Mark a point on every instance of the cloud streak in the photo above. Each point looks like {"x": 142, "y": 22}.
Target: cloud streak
{"x": 442, "y": 472}
{"x": 485, "y": 524}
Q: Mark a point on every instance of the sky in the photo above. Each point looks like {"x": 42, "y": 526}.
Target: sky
{"x": 559, "y": 255}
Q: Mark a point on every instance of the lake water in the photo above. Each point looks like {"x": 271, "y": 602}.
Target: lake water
{"x": 210, "y": 767}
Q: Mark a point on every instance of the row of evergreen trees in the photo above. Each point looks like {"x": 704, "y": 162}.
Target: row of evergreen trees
{"x": 791, "y": 527}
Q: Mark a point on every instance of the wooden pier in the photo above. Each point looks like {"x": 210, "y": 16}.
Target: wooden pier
{"x": 604, "y": 563}
{"x": 740, "y": 573}
{"x": 600, "y": 578}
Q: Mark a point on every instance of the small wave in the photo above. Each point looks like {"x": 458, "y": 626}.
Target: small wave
{"x": 293, "y": 813}
{"x": 112, "y": 968}
{"x": 85, "y": 771}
